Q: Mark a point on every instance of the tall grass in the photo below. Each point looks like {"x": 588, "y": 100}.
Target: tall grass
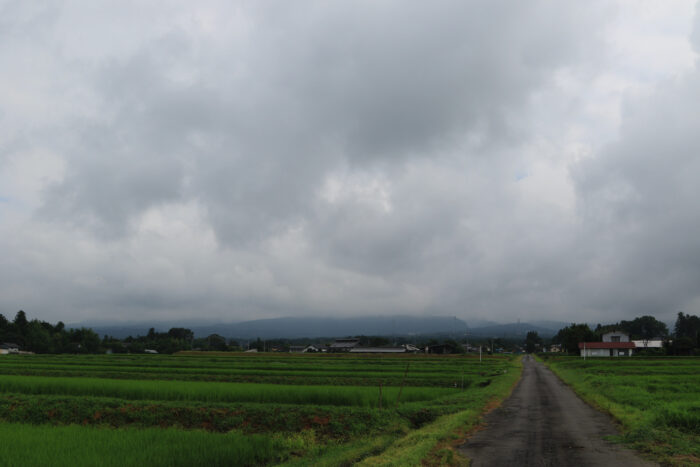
{"x": 415, "y": 448}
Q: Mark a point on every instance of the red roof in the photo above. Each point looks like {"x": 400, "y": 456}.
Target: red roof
{"x": 607, "y": 345}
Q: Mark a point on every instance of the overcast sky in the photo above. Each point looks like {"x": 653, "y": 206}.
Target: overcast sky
{"x": 245, "y": 160}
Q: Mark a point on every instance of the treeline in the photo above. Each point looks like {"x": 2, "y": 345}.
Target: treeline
{"x": 42, "y": 337}
{"x": 174, "y": 340}
{"x": 684, "y": 340}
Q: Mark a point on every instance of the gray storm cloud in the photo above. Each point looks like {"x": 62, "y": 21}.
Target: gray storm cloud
{"x": 256, "y": 160}
{"x": 638, "y": 202}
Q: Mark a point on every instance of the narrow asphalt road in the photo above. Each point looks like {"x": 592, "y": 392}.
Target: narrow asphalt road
{"x": 543, "y": 423}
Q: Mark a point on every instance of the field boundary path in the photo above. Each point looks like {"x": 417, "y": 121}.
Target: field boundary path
{"x": 544, "y": 423}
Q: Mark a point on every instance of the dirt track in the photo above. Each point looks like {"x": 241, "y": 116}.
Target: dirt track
{"x": 544, "y": 423}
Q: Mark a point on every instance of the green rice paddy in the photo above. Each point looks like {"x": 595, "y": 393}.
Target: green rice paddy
{"x": 362, "y": 396}
{"x": 239, "y": 409}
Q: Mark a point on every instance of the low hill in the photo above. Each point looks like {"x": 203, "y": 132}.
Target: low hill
{"x": 292, "y": 328}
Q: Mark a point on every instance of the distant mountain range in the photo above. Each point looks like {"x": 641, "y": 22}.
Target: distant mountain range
{"x": 293, "y": 328}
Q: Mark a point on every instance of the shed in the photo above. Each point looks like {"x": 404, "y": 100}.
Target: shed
{"x": 649, "y": 344}
{"x": 343, "y": 345}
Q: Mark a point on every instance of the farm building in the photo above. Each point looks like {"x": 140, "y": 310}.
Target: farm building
{"x": 649, "y": 344}
{"x": 8, "y": 348}
{"x": 302, "y": 348}
{"x": 606, "y": 349}
{"x": 406, "y": 348}
{"x": 615, "y": 344}
{"x": 343, "y": 345}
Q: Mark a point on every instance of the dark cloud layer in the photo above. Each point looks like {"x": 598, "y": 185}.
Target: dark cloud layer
{"x": 255, "y": 129}
{"x": 638, "y": 201}
{"x": 258, "y": 159}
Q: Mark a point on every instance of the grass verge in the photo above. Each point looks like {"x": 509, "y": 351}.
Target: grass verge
{"x": 423, "y": 446}
{"x": 659, "y": 412}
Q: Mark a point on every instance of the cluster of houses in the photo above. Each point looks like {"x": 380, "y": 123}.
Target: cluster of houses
{"x": 8, "y": 348}
{"x": 616, "y": 344}
{"x": 352, "y": 345}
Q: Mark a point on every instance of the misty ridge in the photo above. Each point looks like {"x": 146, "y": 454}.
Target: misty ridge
{"x": 397, "y": 325}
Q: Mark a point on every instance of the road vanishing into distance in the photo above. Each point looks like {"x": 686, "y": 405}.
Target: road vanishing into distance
{"x": 543, "y": 423}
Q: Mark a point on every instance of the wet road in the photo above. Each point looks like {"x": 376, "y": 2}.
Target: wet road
{"x": 544, "y": 423}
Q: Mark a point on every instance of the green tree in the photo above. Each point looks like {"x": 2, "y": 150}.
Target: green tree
{"x": 645, "y": 328}
{"x": 687, "y": 326}
{"x": 687, "y": 334}
{"x": 454, "y": 346}
{"x": 532, "y": 341}
{"x": 181, "y": 333}
{"x": 682, "y": 346}
{"x": 217, "y": 342}
{"x": 83, "y": 340}
{"x": 37, "y": 338}
{"x": 21, "y": 322}
{"x": 570, "y": 336}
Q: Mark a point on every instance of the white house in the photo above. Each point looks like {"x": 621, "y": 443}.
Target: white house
{"x": 615, "y": 344}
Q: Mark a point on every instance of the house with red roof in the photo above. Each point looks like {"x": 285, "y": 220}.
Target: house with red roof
{"x": 614, "y": 344}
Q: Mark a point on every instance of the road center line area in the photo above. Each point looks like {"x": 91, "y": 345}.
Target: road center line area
{"x": 544, "y": 423}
